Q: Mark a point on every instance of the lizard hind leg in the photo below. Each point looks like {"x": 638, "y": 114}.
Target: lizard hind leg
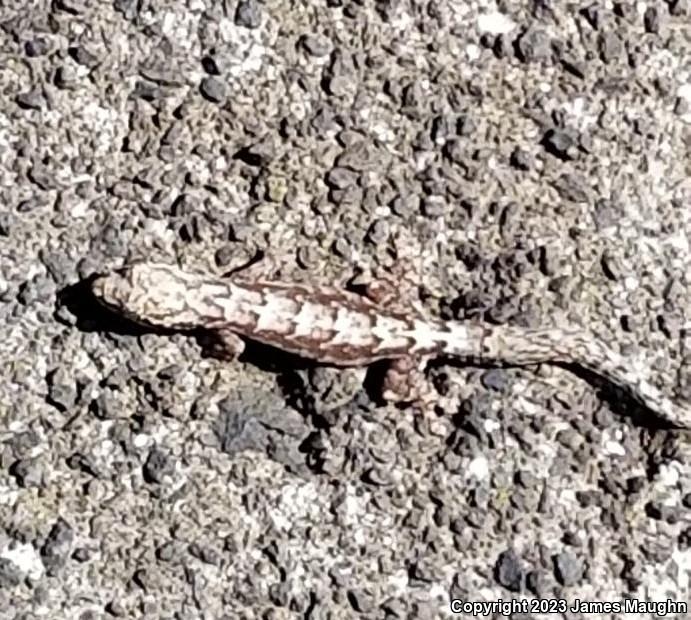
{"x": 405, "y": 381}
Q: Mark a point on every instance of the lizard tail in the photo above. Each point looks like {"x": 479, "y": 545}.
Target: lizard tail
{"x": 517, "y": 346}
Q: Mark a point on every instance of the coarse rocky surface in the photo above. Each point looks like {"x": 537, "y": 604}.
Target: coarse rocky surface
{"x": 527, "y": 161}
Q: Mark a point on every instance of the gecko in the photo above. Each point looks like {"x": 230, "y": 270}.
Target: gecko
{"x": 342, "y": 328}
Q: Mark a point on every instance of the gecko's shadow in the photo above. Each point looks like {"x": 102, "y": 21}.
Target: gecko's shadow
{"x": 622, "y": 402}
{"x": 89, "y": 315}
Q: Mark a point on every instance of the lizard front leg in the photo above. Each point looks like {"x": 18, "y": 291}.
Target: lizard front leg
{"x": 405, "y": 381}
{"x": 222, "y": 344}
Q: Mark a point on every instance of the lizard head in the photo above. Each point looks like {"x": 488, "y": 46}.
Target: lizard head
{"x": 148, "y": 293}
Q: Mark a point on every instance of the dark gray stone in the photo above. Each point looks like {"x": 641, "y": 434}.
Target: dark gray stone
{"x": 508, "y": 572}
{"x": 57, "y": 547}
{"x": 568, "y": 569}
{"x": 213, "y": 89}
{"x": 158, "y": 466}
{"x": 248, "y": 14}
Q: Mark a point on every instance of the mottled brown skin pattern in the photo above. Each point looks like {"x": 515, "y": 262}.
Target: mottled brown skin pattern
{"x": 162, "y": 296}
{"x": 319, "y": 344}
{"x": 344, "y": 329}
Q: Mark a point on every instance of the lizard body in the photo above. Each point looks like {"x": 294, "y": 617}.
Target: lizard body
{"x": 345, "y": 329}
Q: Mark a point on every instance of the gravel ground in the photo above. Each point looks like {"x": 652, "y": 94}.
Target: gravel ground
{"x": 527, "y": 162}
